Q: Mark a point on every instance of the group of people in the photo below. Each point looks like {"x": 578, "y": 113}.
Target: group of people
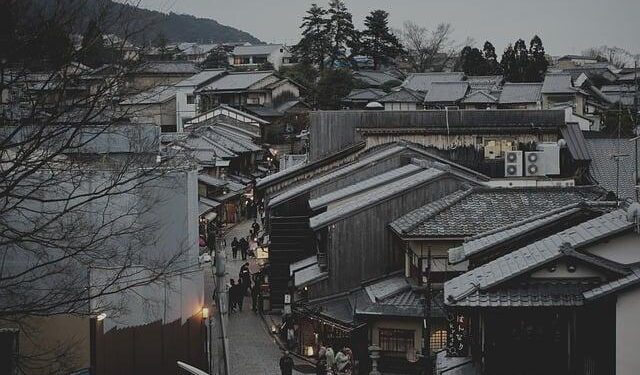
{"x": 242, "y": 245}
{"x": 329, "y": 362}
{"x": 246, "y": 285}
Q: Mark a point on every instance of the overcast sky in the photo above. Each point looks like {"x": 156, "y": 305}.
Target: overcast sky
{"x": 565, "y": 26}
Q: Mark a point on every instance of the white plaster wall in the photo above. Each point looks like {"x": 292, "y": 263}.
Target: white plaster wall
{"x": 628, "y": 333}
{"x": 624, "y": 249}
{"x": 182, "y": 108}
{"x": 561, "y": 272}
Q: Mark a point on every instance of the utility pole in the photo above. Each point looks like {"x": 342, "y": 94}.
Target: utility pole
{"x": 426, "y": 336}
{"x": 221, "y": 365}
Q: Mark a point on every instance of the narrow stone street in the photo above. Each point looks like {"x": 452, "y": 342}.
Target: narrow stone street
{"x": 253, "y": 351}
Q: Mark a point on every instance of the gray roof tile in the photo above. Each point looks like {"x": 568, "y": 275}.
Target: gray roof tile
{"x": 558, "y": 83}
{"x": 492, "y": 273}
{"x": 446, "y": 92}
{"x": 603, "y": 167}
{"x": 517, "y": 93}
{"x": 464, "y": 214}
{"x": 422, "y": 81}
{"x": 256, "y": 50}
{"x": 236, "y": 81}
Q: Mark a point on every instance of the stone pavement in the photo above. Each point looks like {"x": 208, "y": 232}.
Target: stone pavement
{"x": 252, "y": 348}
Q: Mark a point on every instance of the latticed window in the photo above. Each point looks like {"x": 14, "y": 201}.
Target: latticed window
{"x": 399, "y": 341}
{"x": 438, "y": 340}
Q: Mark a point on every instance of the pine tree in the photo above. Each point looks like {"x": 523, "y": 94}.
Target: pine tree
{"x": 342, "y": 34}
{"x": 378, "y": 42}
{"x": 93, "y": 52}
{"x": 313, "y": 47}
{"x": 491, "y": 59}
{"x": 538, "y": 63}
{"x": 521, "y": 61}
{"x": 472, "y": 62}
{"x": 508, "y": 64}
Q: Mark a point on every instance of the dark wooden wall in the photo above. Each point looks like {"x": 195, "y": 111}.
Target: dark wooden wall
{"x": 151, "y": 349}
{"x": 331, "y": 131}
{"x": 361, "y": 246}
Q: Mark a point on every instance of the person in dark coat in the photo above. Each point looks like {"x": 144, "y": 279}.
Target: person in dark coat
{"x": 235, "y": 296}
{"x": 244, "y": 247}
{"x": 286, "y": 364}
{"x": 234, "y": 247}
{"x": 245, "y": 278}
{"x": 256, "y": 228}
{"x": 255, "y": 293}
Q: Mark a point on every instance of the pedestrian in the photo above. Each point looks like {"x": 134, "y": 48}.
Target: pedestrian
{"x": 256, "y": 228}
{"x": 245, "y": 278}
{"x": 343, "y": 362}
{"x": 244, "y": 247}
{"x": 234, "y": 247}
{"x": 286, "y": 364}
{"x": 331, "y": 357}
{"x": 233, "y": 296}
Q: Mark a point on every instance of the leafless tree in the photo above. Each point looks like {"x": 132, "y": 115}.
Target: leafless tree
{"x": 428, "y": 49}
{"x": 79, "y": 186}
{"x": 616, "y": 56}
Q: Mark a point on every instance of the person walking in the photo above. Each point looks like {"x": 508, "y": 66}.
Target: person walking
{"x": 234, "y": 247}
{"x": 244, "y": 247}
{"x": 233, "y": 296}
{"x": 331, "y": 357}
{"x": 245, "y": 278}
{"x": 255, "y": 293}
{"x": 286, "y": 364}
{"x": 256, "y": 228}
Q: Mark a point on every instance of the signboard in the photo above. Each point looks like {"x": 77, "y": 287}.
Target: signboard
{"x": 287, "y": 298}
{"x": 457, "y": 335}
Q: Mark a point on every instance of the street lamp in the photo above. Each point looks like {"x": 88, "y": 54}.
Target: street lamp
{"x": 205, "y": 316}
{"x": 101, "y": 317}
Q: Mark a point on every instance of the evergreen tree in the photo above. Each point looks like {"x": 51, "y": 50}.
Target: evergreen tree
{"x": 217, "y": 58}
{"x": 472, "y": 62}
{"x": 93, "y": 52}
{"x": 521, "y": 60}
{"x": 313, "y": 48}
{"x": 378, "y": 42}
{"x": 333, "y": 85}
{"x": 342, "y": 34}
{"x": 508, "y": 64}
{"x": 538, "y": 63}
{"x": 491, "y": 59}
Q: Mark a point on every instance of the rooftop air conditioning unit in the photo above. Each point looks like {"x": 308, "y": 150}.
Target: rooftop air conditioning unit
{"x": 551, "y": 159}
{"x": 534, "y": 163}
{"x": 513, "y": 164}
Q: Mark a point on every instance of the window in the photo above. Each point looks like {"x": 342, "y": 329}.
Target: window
{"x": 8, "y": 350}
{"x": 238, "y": 60}
{"x": 397, "y": 341}
{"x": 191, "y": 99}
{"x": 260, "y": 59}
{"x": 438, "y": 340}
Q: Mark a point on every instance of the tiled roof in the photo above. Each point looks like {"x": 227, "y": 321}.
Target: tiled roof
{"x": 558, "y": 83}
{"x": 302, "y": 188}
{"x": 263, "y": 111}
{"x": 376, "y": 196}
{"x": 261, "y": 49}
{"x": 168, "y": 67}
{"x": 236, "y": 81}
{"x": 308, "y": 275}
{"x": 465, "y": 214}
{"x": 365, "y": 185}
{"x": 364, "y": 94}
{"x": 488, "y": 83}
{"x": 373, "y": 78}
{"x": 403, "y": 95}
{"x": 201, "y": 77}
{"x": 535, "y": 255}
{"x": 422, "y": 81}
{"x": 604, "y": 167}
{"x": 633, "y": 278}
{"x": 516, "y": 93}
{"x": 304, "y": 263}
{"x": 576, "y": 142}
{"x": 446, "y": 92}
{"x": 480, "y": 96}
{"x": 212, "y": 181}
{"x": 487, "y": 240}
{"x": 531, "y": 294}
{"x": 155, "y": 95}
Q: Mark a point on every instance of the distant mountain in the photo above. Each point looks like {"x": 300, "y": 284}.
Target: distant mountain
{"x": 172, "y": 27}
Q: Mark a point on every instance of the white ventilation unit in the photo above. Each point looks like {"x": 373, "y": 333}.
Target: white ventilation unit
{"x": 534, "y": 163}
{"x": 551, "y": 157}
{"x": 513, "y": 164}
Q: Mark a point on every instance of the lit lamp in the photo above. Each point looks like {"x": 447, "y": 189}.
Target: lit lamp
{"x": 101, "y": 317}
{"x": 205, "y": 313}
{"x": 274, "y": 330}
{"x": 309, "y": 351}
